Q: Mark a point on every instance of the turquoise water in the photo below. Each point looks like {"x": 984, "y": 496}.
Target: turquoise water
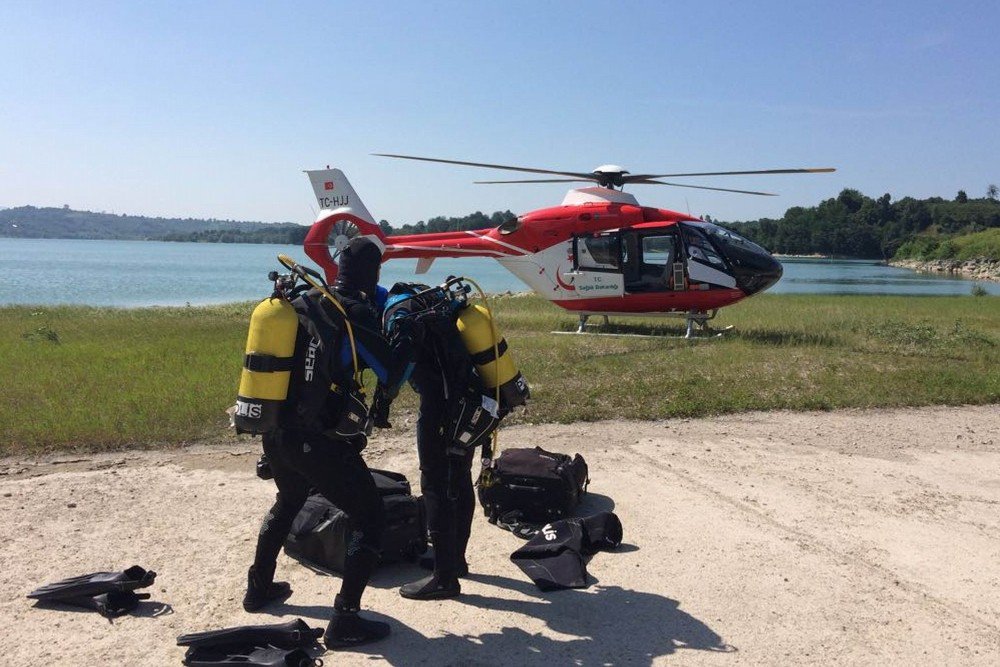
{"x": 143, "y": 273}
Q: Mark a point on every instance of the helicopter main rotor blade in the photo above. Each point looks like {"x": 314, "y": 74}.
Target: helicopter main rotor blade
{"x": 542, "y": 180}
{"x": 649, "y": 181}
{"x": 806, "y": 170}
{"x": 529, "y": 170}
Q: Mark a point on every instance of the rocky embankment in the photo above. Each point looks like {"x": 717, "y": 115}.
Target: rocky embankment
{"x": 975, "y": 269}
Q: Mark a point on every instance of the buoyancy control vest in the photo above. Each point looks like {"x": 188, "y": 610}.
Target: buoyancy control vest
{"x": 472, "y": 355}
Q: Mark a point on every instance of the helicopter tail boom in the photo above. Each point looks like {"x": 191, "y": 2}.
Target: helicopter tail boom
{"x": 477, "y": 243}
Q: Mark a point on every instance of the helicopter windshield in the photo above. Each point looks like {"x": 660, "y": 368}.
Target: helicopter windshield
{"x": 727, "y": 238}
{"x": 753, "y": 266}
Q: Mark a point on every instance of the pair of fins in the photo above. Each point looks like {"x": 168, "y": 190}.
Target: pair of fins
{"x": 111, "y": 594}
{"x": 277, "y": 645}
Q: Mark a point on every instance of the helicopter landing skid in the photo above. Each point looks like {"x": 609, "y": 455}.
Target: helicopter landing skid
{"x": 697, "y": 325}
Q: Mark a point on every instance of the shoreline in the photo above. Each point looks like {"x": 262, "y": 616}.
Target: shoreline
{"x": 972, "y": 269}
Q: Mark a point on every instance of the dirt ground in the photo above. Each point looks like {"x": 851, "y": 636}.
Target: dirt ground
{"x": 861, "y": 537}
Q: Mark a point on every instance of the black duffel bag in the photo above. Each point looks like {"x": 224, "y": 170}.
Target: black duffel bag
{"x": 534, "y": 485}
{"x": 319, "y": 532}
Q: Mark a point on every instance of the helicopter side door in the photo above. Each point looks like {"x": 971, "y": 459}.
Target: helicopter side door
{"x": 653, "y": 261}
{"x": 597, "y": 265}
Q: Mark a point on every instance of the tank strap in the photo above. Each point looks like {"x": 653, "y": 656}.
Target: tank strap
{"x": 489, "y": 354}
{"x": 266, "y": 363}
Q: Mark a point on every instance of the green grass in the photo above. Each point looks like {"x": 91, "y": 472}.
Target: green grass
{"x": 101, "y": 378}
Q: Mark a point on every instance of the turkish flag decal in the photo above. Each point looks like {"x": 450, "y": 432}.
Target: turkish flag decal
{"x": 328, "y": 185}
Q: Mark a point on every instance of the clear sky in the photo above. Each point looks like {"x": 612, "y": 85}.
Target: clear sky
{"x": 211, "y": 109}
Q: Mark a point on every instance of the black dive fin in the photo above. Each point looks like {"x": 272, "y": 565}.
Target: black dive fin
{"x": 293, "y": 634}
{"x": 97, "y": 583}
{"x": 251, "y": 657}
{"x": 109, "y": 605}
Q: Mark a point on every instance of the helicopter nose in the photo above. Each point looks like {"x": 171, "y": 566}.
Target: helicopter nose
{"x": 758, "y": 273}
{"x": 753, "y": 267}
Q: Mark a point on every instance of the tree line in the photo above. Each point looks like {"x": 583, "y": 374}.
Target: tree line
{"x": 849, "y": 225}
{"x": 66, "y": 223}
{"x": 855, "y": 225}
{"x": 477, "y": 220}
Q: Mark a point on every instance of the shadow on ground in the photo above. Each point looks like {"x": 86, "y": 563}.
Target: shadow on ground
{"x": 665, "y": 332}
{"x": 593, "y": 503}
{"x": 606, "y": 625}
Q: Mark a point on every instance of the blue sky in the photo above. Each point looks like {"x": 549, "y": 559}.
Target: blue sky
{"x": 211, "y": 109}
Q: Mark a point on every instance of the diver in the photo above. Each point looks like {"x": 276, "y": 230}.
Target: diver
{"x": 442, "y": 371}
{"x": 310, "y": 451}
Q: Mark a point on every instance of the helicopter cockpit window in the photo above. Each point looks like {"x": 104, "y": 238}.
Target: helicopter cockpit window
{"x": 598, "y": 252}
{"x": 699, "y": 248}
{"x": 727, "y": 238}
{"x": 658, "y": 250}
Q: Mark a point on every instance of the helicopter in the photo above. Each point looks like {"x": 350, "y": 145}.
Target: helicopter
{"x": 597, "y": 253}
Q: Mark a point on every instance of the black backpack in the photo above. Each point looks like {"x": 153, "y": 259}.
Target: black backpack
{"x": 541, "y": 486}
{"x": 319, "y": 532}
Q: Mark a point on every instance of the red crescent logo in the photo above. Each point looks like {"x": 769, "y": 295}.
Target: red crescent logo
{"x": 328, "y": 185}
{"x": 565, "y": 286}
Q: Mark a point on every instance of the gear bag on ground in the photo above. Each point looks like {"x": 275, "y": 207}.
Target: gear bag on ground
{"x": 541, "y": 486}
{"x": 320, "y": 532}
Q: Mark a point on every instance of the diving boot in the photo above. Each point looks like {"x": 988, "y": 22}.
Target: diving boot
{"x": 434, "y": 587}
{"x": 427, "y": 562}
{"x": 347, "y": 629}
{"x": 260, "y": 593}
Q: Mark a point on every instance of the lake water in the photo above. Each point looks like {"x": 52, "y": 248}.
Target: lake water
{"x": 143, "y": 273}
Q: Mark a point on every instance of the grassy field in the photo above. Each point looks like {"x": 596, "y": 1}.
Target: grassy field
{"x": 101, "y": 378}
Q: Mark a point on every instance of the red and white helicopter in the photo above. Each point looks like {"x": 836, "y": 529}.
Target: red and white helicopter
{"x": 597, "y": 253}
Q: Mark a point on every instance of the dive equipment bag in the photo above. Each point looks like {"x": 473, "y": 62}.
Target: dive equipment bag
{"x": 538, "y": 485}
{"x": 267, "y": 366}
{"x": 320, "y": 532}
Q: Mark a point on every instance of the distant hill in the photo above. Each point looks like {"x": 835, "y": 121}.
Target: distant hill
{"x": 65, "y": 223}
{"x": 850, "y": 225}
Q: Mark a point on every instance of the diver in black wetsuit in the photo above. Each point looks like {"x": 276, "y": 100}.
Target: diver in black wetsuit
{"x": 442, "y": 372}
{"x": 306, "y": 452}
{"x": 446, "y": 483}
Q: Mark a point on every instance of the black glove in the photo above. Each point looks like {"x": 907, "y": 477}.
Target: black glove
{"x": 380, "y": 408}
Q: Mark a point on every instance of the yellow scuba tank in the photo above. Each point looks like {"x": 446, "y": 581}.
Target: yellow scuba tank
{"x": 267, "y": 366}
{"x": 495, "y": 364}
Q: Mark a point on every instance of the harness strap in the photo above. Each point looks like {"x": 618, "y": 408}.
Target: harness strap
{"x": 490, "y": 353}
{"x": 266, "y": 363}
